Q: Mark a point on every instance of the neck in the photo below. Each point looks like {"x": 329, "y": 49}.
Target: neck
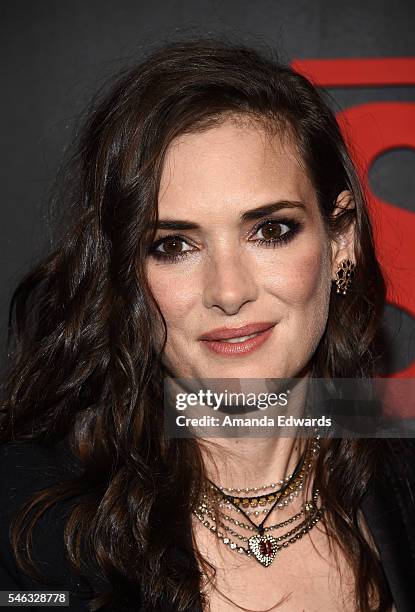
{"x": 246, "y": 461}
{"x": 250, "y": 462}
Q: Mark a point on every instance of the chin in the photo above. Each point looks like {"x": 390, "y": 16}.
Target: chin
{"x": 241, "y": 371}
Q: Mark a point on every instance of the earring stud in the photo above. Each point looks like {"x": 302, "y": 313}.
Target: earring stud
{"x": 344, "y": 275}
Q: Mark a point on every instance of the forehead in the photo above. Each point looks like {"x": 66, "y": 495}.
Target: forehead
{"x": 229, "y": 167}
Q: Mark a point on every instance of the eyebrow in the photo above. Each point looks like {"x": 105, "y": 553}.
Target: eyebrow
{"x": 249, "y": 215}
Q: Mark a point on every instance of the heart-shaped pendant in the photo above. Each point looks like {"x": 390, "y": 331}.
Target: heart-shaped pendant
{"x": 264, "y": 548}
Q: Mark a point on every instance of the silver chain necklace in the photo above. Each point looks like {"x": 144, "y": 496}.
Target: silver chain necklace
{"x": 265, "y": 547}
{"x": 271, "y": 486}
{"x": 306, "y": 508}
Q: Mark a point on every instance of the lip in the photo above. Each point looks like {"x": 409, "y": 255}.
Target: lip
{"x": 214, "y": 339}
{"x": 224, "y": 333}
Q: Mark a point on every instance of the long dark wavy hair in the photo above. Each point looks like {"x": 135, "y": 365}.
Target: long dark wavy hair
{"x": 83, "y": 364}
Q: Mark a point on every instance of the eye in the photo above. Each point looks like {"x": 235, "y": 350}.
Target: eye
{"x": 276, "y": 232}
{"x": 272, "y": 233}
{"x": 272, "y": 230}
{"x": 170, "y": 247}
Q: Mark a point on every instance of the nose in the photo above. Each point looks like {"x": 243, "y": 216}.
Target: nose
{"x": 229, "y": 282}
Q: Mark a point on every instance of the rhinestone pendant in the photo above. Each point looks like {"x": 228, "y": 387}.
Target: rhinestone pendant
{"x": 264, "y": 548}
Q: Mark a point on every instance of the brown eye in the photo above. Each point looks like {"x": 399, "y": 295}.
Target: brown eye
{"x": 272, "y": 230}
{"x": 172, "y": 246}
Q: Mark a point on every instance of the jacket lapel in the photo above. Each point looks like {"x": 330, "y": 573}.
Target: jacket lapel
{"x": 389, "y": 512}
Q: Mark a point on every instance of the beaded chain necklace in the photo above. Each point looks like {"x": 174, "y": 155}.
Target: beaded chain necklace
{"x": 262, "y": 546}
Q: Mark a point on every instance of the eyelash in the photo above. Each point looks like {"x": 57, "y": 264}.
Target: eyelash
{"x": 295, "y": 228}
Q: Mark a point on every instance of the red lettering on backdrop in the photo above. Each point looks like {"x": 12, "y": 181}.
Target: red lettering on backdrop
{"x": 372, "y": 129}
{"x": 358, "y": 72}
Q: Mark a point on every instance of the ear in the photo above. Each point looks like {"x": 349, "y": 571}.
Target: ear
{"x": 342, "y": 245}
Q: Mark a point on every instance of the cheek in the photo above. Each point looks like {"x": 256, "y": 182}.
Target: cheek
{"x": 302, "y": 281}
{"x": 301, "y": 288}
{"x": 174, "y": 297}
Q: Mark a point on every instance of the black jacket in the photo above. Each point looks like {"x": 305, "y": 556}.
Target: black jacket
{"x": 388, "y": 506}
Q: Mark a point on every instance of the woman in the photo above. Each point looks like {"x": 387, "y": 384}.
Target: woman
{"x": 187, "y": 176}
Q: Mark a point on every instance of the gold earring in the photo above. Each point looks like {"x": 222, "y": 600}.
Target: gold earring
{"x": 344, "y": 275}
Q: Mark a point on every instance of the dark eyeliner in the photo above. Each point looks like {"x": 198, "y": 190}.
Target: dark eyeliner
{"x": 295, "y": 228}
{"x": 167, "y": 256}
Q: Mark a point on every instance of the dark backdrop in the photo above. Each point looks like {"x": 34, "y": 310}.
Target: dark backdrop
{"x": 57, "y": 53}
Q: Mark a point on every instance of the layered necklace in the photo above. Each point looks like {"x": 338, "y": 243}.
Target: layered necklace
{"x": 261, "y": 545}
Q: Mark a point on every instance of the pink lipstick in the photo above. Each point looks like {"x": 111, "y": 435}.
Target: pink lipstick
{"x": 237, "y": 340}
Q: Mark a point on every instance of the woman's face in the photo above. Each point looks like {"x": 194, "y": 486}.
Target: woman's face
{"x": 249, "y": 247}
